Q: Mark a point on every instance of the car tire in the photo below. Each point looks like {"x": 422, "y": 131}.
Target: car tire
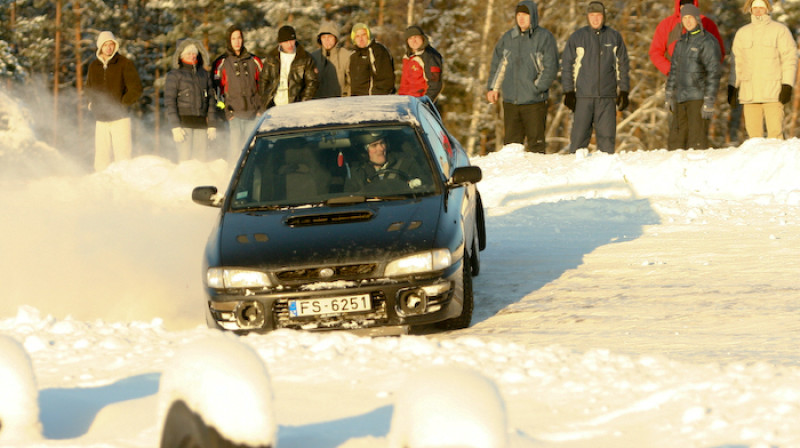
{"x": 184, "y": 428}
{"x": 464, "y": 319}
{"x": 480, "y": 219}
{"x": 475, "y": 259}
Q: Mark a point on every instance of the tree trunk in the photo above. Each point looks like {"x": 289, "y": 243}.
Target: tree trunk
{"x": 381, "y": 7}
{"x": 795, "y": 106}
{"x": 483, "y": 73}
{"x": 78, "y": 64}
{"x": 56, "y": 65}
{"x": 410, "y": 18}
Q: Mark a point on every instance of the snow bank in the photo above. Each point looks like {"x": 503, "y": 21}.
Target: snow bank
{"x": 19, "y": 395}
{"x": 448, "y": 407}
{"x": 227, "y": 384}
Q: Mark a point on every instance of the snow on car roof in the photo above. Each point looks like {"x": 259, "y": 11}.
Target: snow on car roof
{"x": 348, "y": 110}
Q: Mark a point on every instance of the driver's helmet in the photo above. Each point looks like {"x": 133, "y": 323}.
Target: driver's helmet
{"x": 369, "y": 137}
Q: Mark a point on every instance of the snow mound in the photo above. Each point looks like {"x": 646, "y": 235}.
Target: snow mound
{"x": 19, "y": 394}
{"x": 448, "y": 406}
{"x": 227, "y": 384}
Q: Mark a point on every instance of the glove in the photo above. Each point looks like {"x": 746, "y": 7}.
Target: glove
{"x": 570, "y": 100}
{"x": 733, "y": 96}
{"x": 414, "y": 183}
{"x": 178, "y": 134}
{"x": 220, "y": 104}
{"x": 622, "y": 100}
{"x": 212, "y": 133}
{"x": 786, "y": 93}
{"x": 707, "y": 112}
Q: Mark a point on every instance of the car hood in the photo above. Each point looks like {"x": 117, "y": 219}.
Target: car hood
{"x": 375, "y": 231}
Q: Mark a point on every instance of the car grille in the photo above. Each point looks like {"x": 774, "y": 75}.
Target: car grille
{"x": 374, "y": 318}
{"x": 345, "y": 272}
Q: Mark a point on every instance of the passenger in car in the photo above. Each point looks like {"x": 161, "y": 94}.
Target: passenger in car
{"x": 383, "y": 166}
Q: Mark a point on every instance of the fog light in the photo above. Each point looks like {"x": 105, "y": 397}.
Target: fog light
{"x": 413, "y": 302}
{"x": 250, "y": 314}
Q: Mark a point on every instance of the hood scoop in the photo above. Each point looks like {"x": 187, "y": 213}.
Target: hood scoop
{"x": 329, "y": 218}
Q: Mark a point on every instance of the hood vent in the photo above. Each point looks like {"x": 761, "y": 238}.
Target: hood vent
{"x": 329, "y": 218}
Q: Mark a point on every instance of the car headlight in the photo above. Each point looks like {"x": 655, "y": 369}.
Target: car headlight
{"x": 223, "y": 278}
{"x": 434, "y": 260}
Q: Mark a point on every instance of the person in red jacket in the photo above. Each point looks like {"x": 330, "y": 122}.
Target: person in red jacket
{"x": 669, "y": 31}
{"x": 422, "y": 66}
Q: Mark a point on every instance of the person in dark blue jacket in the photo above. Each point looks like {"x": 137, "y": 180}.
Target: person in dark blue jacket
{"x": 692, "y": 83}
{"x": 189, "y": 100}
{"x": 524, "y": 65}
{"x": 595, "y": 80}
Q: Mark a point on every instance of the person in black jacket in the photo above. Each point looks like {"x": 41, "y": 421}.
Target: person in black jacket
{"x": 371, "y": 64}
{"x": 289, "y": 74}
{"x": 189, "y": 101}
{"x": 692, "y": 83}
{"x": 236, "y": 75}
{"x": 595, "y": 78}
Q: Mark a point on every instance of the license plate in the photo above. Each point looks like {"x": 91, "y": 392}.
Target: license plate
{"x": 331, "y": 305}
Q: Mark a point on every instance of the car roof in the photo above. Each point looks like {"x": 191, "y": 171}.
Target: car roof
{"x": 341, "y": 111}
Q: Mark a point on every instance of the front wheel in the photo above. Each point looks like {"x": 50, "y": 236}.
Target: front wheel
{"x": 464, "y": 319}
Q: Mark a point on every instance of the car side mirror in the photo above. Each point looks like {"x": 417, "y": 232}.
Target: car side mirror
{"x": 466, "y": 175}
{"x": 206, "y": 195}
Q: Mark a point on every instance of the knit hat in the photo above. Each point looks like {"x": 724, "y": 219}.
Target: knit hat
{"x": 686, "y": 2}
{"x": 286, "y": 33}
{"x": 523, "y": 8}
{"x": 758, "y": 3}
{"x": 359, "y": 26}
{"x": 414, "y": 30}
{"x": 691, "y": 10}
{"x": 596, "y": 7}
{"x": 104, "y": 37}
{"x": 191, "y": 48}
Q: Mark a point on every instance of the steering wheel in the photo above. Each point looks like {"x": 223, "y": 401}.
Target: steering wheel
{"x": 399, "y": 173}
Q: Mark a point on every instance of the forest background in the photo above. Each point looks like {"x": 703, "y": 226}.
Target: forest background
{"x": 46, "y": 45}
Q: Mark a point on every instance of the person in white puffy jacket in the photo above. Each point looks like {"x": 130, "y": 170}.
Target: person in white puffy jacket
{"x": 764, "y": 69}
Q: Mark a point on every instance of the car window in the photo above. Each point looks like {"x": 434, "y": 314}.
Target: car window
{"x": 315, "y": 166}
{"x": 439, "y": 141}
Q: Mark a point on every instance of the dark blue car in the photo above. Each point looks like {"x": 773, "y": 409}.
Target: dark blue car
{"x": 356, "y": 213}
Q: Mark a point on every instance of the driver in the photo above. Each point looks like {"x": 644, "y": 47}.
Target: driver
{"x": 383, "y": 165}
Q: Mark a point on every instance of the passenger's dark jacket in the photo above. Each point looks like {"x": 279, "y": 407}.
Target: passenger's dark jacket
{"x": 371, "y": 70}
{"x": 695, "y": 70}
{"x": 532, "y": 62}
{"x": 112, "y": 88}
{"x": 303, "y": 77}
{"x": 236, "y": 79}
{"x": 595, "y": 63}
{"x": 188, "y": 91}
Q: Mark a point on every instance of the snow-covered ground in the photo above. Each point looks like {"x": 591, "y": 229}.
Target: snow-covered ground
{"x": 643, "y": 299}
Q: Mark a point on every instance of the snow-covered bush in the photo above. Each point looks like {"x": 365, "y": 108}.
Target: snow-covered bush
{"x": 226, "y": 384}
{"x": 448, "y": 407}
{"x": 19, "y": 395}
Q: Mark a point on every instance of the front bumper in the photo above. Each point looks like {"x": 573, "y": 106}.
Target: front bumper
{"x": 393, "y": 304}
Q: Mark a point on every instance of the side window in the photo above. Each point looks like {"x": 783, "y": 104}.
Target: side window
{"x": 440, "y": 143}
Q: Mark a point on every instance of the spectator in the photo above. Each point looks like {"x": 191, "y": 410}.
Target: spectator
{"x": 289, "y": 73}
{"x": 692, "y": 83}
{"x": 765, "y": 55}
{"x": 422, "y": 66}
{"x": 236, "y": 77}
{"x": 333, "y": 63}
{"x": 669, "y": 31}
{"x": 112, "y": 85}
{"x": 595, "y": 79}
{"x": 189, "y": 101}
{"x": 524, "y": 65}
{"x": 371, "y": 64}
{"x": 663, "y": 44}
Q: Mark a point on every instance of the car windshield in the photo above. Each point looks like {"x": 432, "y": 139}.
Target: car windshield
{"x": 334, "y": 166}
